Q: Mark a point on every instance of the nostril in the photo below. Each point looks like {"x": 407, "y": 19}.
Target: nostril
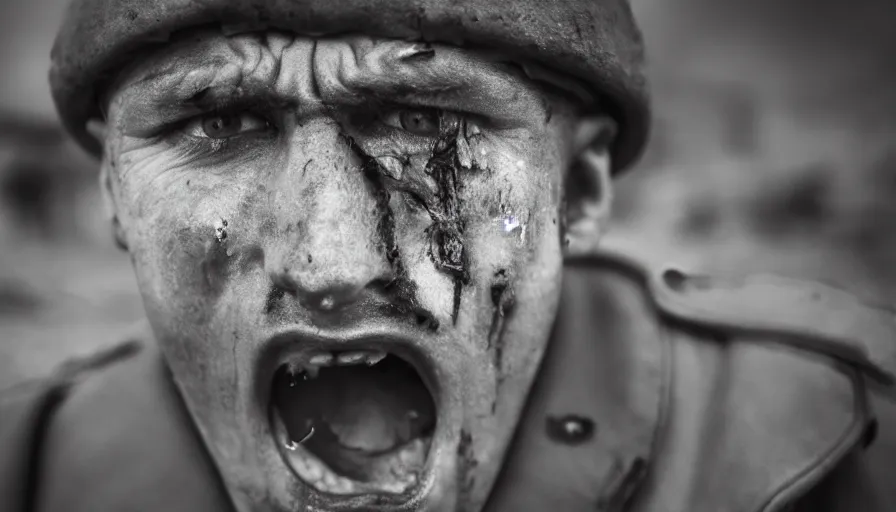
{"x": 284, "y": 281}
{"x": 273, "y": 301}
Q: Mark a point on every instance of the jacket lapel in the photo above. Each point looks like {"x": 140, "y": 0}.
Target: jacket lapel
{"x": 608, "y": 363}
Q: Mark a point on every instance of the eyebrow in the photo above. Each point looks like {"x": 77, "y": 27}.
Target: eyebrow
{"x": 491, "y": 87}
{"x": 161, "y": 96}
{"x": 192, "y": 83}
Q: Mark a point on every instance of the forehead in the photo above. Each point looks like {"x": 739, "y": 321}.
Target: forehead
{"x": 353, "y": 66}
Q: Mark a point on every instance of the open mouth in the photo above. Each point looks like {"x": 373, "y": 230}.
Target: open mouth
{"x": 354, "y": 422}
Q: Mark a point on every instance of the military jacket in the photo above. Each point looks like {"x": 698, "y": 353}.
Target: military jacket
{"x": 660, "y": 392}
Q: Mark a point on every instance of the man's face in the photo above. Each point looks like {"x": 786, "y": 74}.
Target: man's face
{"x": 350, "y": 252}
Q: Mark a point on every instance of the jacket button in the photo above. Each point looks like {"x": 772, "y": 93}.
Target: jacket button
{"x": 570, "y": 429}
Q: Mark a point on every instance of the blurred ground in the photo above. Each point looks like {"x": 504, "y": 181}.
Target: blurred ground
{"x": 774, "y": 150}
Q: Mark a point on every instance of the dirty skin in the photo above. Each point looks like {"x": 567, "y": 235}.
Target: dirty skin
{"x": 503, "y": 299}
{"x": 402, "y": 287}
{"x": 468, "y": 464}
{"x": 212, "y": 252}
{"x": 446, "y": 243}
{"x": 221, "y": 257}
{"x": 450, "y": 154}
{"x": 446, "y": 249}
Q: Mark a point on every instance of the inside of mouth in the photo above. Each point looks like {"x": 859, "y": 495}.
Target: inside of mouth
{"x": 369, "y": 423}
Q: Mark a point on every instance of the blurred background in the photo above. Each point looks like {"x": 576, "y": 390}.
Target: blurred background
{"x": 773, "y": 150}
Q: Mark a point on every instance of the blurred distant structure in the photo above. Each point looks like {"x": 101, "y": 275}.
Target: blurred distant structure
{"x": 47, "y": 186}
{"x": 775, "y": 138}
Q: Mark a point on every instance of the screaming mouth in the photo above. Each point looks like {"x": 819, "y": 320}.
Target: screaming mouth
{"x": 355, "y": 422}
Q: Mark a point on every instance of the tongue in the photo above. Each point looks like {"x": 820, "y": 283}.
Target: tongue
{"x": 368, "y": 409}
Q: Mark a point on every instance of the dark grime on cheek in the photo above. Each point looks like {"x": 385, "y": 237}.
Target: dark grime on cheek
{"x": 446, "y": 249}
{"x": 468, "y": 465}
{"x": 503, "y": 299}
{"x": 404, "y": 290}
{"x": 446, "y": 233}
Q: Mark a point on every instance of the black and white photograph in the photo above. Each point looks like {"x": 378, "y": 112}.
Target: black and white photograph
{"x": 447, "y": 256}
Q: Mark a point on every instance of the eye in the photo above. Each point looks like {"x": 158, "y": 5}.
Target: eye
{"x": 418, "y": 121}
{"x": 226, "y": 125}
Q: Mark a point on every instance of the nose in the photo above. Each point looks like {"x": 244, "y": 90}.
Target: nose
{"x": 329, "y": 246}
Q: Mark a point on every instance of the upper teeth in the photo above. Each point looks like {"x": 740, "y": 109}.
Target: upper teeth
{"x": 372, "y": 359}
{"x": 350, "y": 358}
{"x": 322, "y": 359}
{"x": 310, "y": 364}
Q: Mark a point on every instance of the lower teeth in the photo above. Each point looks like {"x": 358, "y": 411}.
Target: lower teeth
{"x": 355, "y": 429}
{"x": 315, "y": 472}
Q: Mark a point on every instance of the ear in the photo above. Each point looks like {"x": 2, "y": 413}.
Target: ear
{"x": 98, "y": 129}
{"x": 588, "y": 188}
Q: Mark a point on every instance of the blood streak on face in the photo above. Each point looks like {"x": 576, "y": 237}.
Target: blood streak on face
{"x": 446, "y": 233}
{"x": 347, "y": 321}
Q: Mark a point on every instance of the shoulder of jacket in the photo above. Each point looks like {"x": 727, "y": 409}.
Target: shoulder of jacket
{"x": 90, "y": 431}
{"x": 804, "y": 315}
{"x": 735, "y": 425}
{"x": 27, "y": 410}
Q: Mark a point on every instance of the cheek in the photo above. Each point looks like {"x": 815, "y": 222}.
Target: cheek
{"x": 512, "y": 208}
{"x": 512, "y": 225}
{"x": 189, "y": 236}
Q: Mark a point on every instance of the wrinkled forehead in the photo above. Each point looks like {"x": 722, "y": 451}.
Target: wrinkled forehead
{"x": 346, "y": 69}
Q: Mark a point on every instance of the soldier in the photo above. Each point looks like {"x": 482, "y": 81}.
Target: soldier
{"x": 365, "y": 236}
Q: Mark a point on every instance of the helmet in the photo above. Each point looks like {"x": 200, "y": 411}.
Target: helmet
{"x": 595, "y": 41}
